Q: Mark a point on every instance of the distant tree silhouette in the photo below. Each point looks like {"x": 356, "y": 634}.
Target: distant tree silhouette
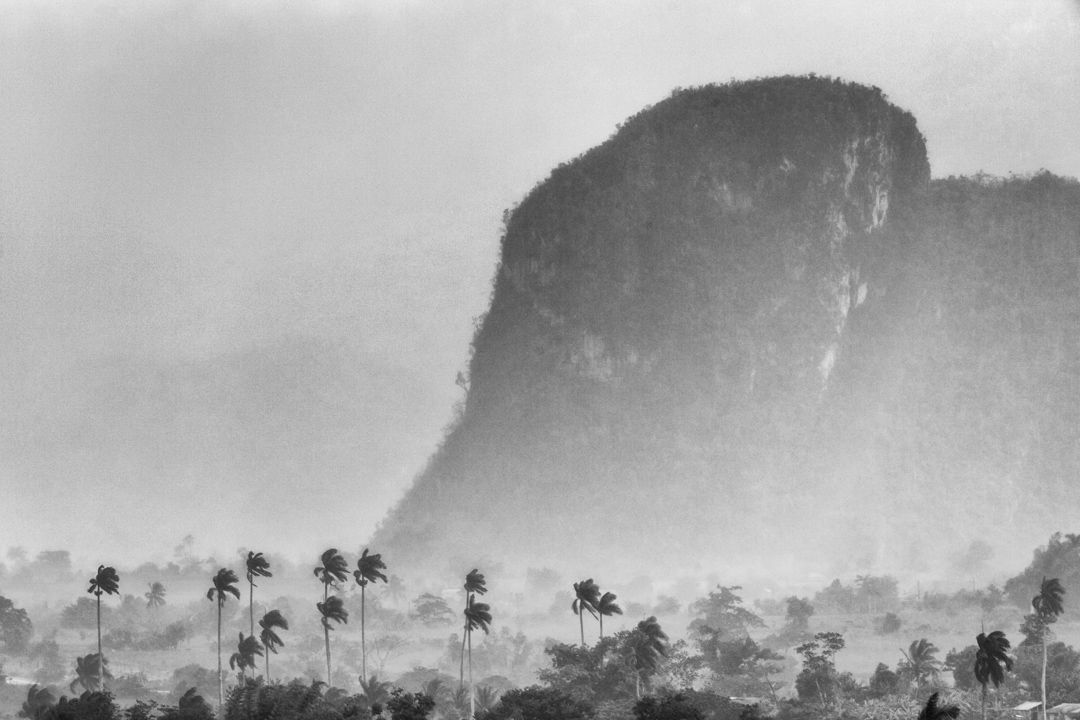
{"x": 91, "y": 671}
{"x": 921, "y": 662}
{"x": 368, "y": 569}
{"x": 105, "y": 582}
{"x": 39, "y": 700}
{"x": 271, "y": 621}
{"x": 156, "y": 597}
{"x": 646, "y": 646}
{"x": 333, "y": 570}
{"x": 586, "y": 598}
{"x": 1047, "y": 605}
{"x": 256, "y": 566}
{"x": 224, "y": 585}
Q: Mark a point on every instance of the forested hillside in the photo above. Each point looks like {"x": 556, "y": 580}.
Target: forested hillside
{"x": 749, "y": 324}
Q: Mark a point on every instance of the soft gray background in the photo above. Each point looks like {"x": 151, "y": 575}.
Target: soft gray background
{"x": 242, "y": 245}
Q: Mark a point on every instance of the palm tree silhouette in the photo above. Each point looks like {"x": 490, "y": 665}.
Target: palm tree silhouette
{"x": 486, "y": 698}
{"x": 105, "y": 582}
{"x": 333, "y": 570}
{"x": 332, "y": 609}
{"x": 921, "y": 660}
{"x": 257, "y": 566}
{"x": 606, "y": 606}
{"x": 474, "y": 585}
{"x": 38, "y": 701}
{"x": 646, "y": 645}
{"x": 933, "y": 711}
{"x": 1047, "y": 605}
{"x": 376, "y": 691}
{"x": 477, "y": 615}
{"x": 244, "y": 657}
{"x": 367, "y": 570}
{"x": 224, "y": 585}
{"x": 270, "y": 622}
{"x": 990, "y": 656}
{"x": 91, "y": 672}
{"x": 156, "y": 597}
{"x": 587, "y": 597}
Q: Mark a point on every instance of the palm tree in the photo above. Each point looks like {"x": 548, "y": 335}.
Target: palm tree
{"x": 91, "y": 672}
{"x": 105, "y": 582}
{"x": 587, "y": 597}
{"x": 474, "y": 585}
{"x": 1047, "y": 605}
{"x": 921, "y": 661}
{"x": 332, "y": 609}
{"x": 477, "y": 615}
{"x": 486, "y": 698}
{"x": 436, "y": 690}
{"x": 224, "y": 585}
{"x": 244, "y": 657}
{"x": 156, "y": 597}
{"x": 646, "y": 645}
{"x": 191, "y": 704}
{"x": 38, "y": 701}
{"x": 271, "y": 621}
{"x": 333, "y": 570}
{"x": 367, "y": 570}
{"x": 376, "y": 691}
{"x": 933, "y": 711}
{"x": 257, "y": 566}
{"x": 992, "y": 653}
{"x": 606, "y": 606}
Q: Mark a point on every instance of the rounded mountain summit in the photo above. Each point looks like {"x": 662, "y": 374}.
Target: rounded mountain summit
{"x": 716, "y": 341}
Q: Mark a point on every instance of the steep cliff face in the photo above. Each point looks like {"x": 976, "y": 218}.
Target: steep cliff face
{"x": 691, "y": 327}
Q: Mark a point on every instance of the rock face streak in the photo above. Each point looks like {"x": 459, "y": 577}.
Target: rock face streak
{"x": 662, "y": 368}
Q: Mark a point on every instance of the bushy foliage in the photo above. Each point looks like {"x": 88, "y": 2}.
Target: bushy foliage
{"x": 1062, "y": 671}
{"x": 539, "y": 703}
{"x": 296, "y": 700}
{"x": 887, "y": 624}
{"x": 15, "y": 627}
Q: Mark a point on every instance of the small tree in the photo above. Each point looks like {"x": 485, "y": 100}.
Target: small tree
{"x": 818, "y": 676}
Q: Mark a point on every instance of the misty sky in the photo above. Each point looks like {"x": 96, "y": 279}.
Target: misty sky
{"x": 242, "y": 245}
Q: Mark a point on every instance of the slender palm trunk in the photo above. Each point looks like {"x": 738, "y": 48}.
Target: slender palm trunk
{"x": 601, "y": 640}
{"x": 363, "y": 637}
{"x": 984, "y": 701}
{"x": 220, "y": 677}
{"x": 267, "y": 666}
{"x": 326, "y": 634}
{"x": 100, "y": 657}
{"x": 251, "y": 605}
{"x": 461, "y": 670}
{"x": 472, "y": 691}
{"x": 581, "y": 621}
{"x": 1044, "y": 677}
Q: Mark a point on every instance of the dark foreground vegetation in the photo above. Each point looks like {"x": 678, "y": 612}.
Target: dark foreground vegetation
{"x": 735, "y": 661}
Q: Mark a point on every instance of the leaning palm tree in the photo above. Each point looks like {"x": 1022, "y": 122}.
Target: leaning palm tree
{"x": 332, "y": 609}
{"x": 270, "y": 622}
{"x": 474, "y": 585}
{"x": 646, "y": 646}
{"x": 921, "y": 662}
{"x": 368, "y": 569}
{"x": 257, "y": 566}
{"x": 244, "y": 657}
{"x": 333, "y": 570}
{"x": 91, "y": 672}
{"x": 477, "y": 616}
{"x": 105, "y": 582}
{"x": 1047, "y": 605}
{"x": 990, "y": 656}
{"x": 39, "y": 700}
{"x": 933, "y": 711}
{"x": 224, "y": 585}
{"x": 586, "y": 597}
{"x": 606, "y": 606}
{"x": 156, "y": 597}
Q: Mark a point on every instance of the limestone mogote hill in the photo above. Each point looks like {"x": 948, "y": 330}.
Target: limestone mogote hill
{"x": 749, "y": 327}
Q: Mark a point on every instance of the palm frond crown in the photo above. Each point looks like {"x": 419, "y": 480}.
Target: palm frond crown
{"x": 992, "y": 653}
{"x": 257, "y": 566}
{"x": 474, "y": 583}
{"x": 332, "y": 609}
{"x": 1048, "y": 603}
{"x": 477, "y": 616}
{"x": 368, "y": 568}
{"x": 334, "y": 569}
{"x": 272, "y": 620}
{"x": 224, "y": 584}
{"x": 106, "y": 581}
{"x": 933, "y": 711}
{"x": 586, "y": 597}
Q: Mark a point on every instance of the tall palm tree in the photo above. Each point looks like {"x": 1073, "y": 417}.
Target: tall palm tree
{"x": 224, "y": 585}
{"x": 1047, "y": 605}
{"x": 990, "y": 656}
{"x": 244, "y": 657}
{"x": 921, "y": 661}
{"x": 270, "y": 622}
{"x": 606, "y": 606}
{"x": 105, "y": 582}
{"x": 586, "y": 597}
{"x": 646, "y": 645}
{"x": 933, "y": 711}
{"x": 257, "y": 566}
{"x": 331, "y": 609}
{"x": 477, "y": 615}
{"x": 368, "y": 569}
{"x": 474, "y": 585}
{"x": 333, "y": 570}
{"x": 156, "y": 597}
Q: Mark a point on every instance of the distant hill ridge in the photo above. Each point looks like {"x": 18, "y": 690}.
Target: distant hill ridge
{"x": 748, "y": 326}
